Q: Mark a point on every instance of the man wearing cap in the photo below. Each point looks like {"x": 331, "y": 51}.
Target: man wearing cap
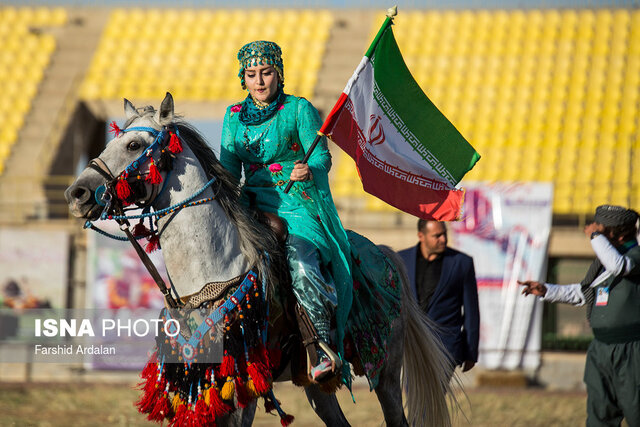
{"x": 611, "y": 291}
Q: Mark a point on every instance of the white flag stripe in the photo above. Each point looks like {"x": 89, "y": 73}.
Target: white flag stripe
{"x": 395, "y": 149}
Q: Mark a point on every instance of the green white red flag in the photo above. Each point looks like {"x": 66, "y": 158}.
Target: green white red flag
{"x": 407, "y": 152}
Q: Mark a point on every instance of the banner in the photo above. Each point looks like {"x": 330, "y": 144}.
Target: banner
{"x": 34, "y": 268}
{"x": 505, "y": 228}
{"x": 117, "y": 278}
{"x": 119, "y": 284}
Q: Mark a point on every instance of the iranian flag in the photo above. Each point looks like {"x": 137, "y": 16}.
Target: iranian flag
{"x": 407, "y": 153}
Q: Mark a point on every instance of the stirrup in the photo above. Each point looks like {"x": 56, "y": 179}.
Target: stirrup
{"x": 321, "y": 370}
{"x": 326, "y": 369}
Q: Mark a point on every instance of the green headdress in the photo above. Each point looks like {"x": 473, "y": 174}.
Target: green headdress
{"x": 260, "y": 53}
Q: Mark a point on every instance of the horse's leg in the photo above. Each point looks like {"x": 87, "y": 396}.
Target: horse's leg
{"x": 249, "y": 413}
{"x": 389, "y": 388}
{"x": 241, "y": 417}
{"x": 325, "y": 406}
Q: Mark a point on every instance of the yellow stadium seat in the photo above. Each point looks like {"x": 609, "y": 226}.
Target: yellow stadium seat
{"x": 194, "y": 32}
{"x": 24, "y": 57}
{"x": 620, "y": 195}
{"x": 561, "y": 206}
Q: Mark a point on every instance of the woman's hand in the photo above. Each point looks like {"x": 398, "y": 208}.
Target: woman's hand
{"x": 301, "y": 172}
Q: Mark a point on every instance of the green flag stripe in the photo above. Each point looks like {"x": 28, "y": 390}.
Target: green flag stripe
{"x": 431, "y": 128}
{"x": 387, "y": 23}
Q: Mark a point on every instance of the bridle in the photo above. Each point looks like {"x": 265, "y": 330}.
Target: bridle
{"x": 104, "y": 194}
{"x": 116, "y": 193}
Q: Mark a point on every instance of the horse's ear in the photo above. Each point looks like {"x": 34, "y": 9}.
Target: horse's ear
{"x": 129, "y": 110}
{"x": 165, "y": 115}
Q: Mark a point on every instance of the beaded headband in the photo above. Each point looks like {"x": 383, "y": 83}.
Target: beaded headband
{"x": 260, "y": 53}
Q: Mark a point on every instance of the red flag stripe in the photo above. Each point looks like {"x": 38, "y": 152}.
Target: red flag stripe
{"x": 331, "y": 119}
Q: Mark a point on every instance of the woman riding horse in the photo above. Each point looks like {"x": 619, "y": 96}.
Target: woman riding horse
{"x": 209, "y": 244}
{"x": 268, "y": 135}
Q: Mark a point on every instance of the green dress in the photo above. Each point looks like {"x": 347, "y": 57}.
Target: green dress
{"x": 266, "y": 153}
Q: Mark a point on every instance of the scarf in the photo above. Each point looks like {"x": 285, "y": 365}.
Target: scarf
{"x": 250, "y": 114}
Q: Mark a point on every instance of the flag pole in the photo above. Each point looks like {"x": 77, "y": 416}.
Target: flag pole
{"x": 306, "y": 157}
{"x": 391, "y": 13}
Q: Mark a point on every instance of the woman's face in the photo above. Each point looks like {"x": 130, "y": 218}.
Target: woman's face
{"x": 262, "y": 82}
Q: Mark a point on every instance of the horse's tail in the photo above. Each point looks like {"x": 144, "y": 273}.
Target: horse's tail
{"x": 425, "y": 363}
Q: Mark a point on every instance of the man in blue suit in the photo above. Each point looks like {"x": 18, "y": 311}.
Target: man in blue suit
{"x": 444, "y": 284}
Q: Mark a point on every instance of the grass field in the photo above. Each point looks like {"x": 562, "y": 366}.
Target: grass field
{"x": 55, "y": 404}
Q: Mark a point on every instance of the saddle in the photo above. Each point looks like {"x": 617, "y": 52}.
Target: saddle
{"x": 276, "y": 224}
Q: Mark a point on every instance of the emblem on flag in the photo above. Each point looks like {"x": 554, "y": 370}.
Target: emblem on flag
{"x": 376, "y": 133}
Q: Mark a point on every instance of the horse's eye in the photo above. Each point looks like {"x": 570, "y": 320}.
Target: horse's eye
{"x": 134, "y": 146}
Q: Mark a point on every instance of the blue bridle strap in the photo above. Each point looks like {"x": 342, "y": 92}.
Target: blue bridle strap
{"x": 159, "y": 134}
{"x": 151, "y": 130}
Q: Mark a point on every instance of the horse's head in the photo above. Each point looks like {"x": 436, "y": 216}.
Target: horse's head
{"x": 130, "y": 167}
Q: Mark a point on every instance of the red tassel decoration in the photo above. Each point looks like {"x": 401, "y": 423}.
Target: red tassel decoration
{"x": 113, "y": 128}
{"x": 147, "y": 387}
{"x": 175, "y": 146}
{"x": 202, "y": 416}
{"x": 227, "y": 368}
{"x": 286, "y": 420}
{"x": 216, "y": 405}
{"x": 140, "y": 230}
{"x": 260, "y": 376}
{"x": 151, "y": 368}
{"x": 269, "y": 406}
{"x": 146, "y": 403}
{"x": 161, "y": 410}
{"x": 182, "y": 417}
{"x": 123, "y": 189}
{"x": 153, "y": 245}
{"x": 275, "y": 357}
{"x": 152, "y": 392}
{"x": 152, "y": 386}
{"x": 154, "y": 176}
{"x": 261, "y": 354}
{"x": 241, "y": 393}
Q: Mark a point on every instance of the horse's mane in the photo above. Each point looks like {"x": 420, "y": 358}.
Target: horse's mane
{"x": 256, "y": 239}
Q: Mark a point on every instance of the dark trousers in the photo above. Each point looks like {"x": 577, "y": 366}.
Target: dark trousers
{"x": 612, "y": 376}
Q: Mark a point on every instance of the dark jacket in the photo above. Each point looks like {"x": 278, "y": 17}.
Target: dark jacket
{"x": 456, "y": 290}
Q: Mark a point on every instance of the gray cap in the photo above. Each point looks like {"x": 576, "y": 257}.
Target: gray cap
{"x": 614, "y": 216}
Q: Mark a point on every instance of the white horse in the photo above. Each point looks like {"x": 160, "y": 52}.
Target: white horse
{"x": 219, "y": 240}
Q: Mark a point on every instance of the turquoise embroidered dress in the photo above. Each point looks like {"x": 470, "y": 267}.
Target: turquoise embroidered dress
{"x": 266, "y": 153}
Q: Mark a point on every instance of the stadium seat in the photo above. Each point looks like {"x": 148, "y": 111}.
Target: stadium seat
{"x": 24, "y": 57}
{"x": 202, "y": 44}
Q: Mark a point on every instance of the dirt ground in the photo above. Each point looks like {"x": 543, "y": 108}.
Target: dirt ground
{"x": 56, "y": 404}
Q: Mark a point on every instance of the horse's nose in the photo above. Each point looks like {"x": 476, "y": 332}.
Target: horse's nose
{"x": 77, "y": 193}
